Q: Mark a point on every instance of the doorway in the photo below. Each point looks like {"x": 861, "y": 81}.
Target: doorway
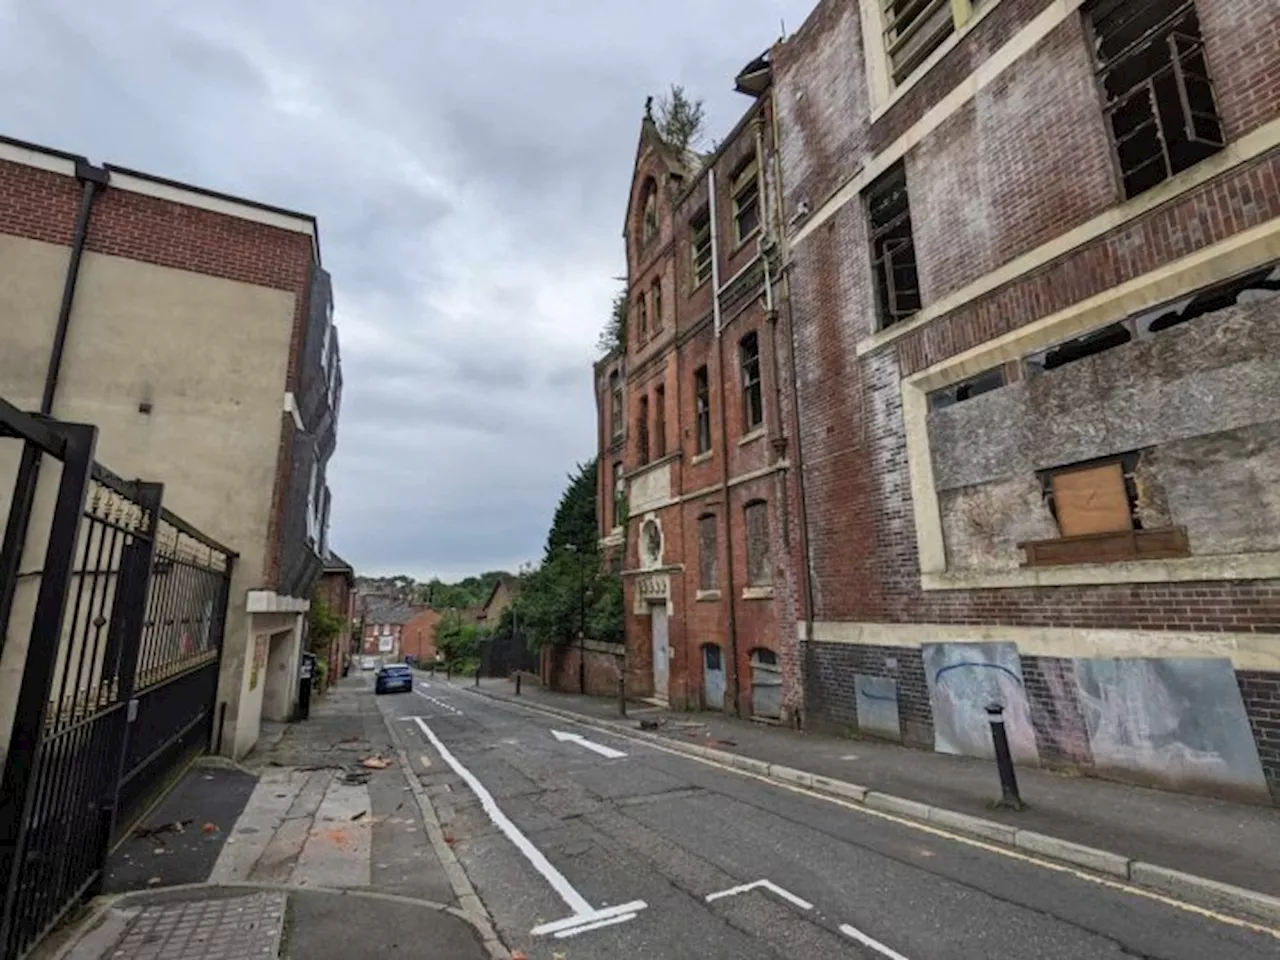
{"x": 766, "y": 684}
{"x": 661, "y": 651}
{"x": 713, "y": 677}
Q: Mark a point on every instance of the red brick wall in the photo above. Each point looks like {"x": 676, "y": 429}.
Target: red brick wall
{"x": 1242, "y": 42}
{"x": 420, "y": 636}
{"x": 560, "y": 669}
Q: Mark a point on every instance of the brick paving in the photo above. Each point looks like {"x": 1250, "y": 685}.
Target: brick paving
{"x": 235, "y": 928}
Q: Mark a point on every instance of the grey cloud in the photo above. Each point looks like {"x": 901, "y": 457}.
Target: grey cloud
{"x": 468, "y": 164}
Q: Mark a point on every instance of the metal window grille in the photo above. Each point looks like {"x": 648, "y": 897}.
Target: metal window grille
{"x": 1160, "y": 104}
{"x": 700, "y": 248}
{"x": 893, "y": 252}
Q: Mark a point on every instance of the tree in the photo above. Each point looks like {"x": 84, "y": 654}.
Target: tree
{"x": 323, "y": 625}
{"x": 574, "y": 523}
{"x": 680, "y": 120}
{"x": 614, "y": 335}
{"x": 458, "y": 641}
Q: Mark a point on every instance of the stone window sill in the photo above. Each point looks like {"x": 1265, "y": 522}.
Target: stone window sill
{"x": 705, "y": 596}
{"x": 757, "y": 593}
{"x": 701, "y": 457}
{"x": 753, "y": 436}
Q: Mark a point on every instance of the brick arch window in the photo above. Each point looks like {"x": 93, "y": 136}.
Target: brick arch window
{"x": 649, "y": 212}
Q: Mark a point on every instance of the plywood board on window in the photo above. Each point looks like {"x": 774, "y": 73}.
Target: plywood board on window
{"x": 1092, "y": 500}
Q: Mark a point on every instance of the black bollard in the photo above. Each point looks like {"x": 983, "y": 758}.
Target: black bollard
{"x": 518, "y": 675}
{"x": 1009, "y": 797}
{"x": 477, "y": 675}
{"x": 622, "y": 693}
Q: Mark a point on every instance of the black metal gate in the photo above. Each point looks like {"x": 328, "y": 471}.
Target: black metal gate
{"x": 122, "y": 607}
{"x": 503, "y": 656}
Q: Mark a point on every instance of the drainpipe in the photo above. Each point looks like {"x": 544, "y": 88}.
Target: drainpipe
{"x": 735, "y": 684}
{"x": 94, "y": 179}
{"x": 806, "y": 568}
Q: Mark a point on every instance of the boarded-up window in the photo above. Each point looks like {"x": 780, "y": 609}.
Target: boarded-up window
{"x": 708, "y": 570}
{"x": 759, "y": 572}
{"x": 1092, "y": 500}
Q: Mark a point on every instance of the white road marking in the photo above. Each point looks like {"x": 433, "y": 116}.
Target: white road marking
{"x": 584, "y": 915}
{"x": 762, "y": 884}
{"x": 876, "y": 945}
{"x": 595, "y": 926}
{"x": 443, "y": 705}
{"x": 582, "y": 741}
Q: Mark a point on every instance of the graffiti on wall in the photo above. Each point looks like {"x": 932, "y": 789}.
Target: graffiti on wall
{"x": 877, "y": 704}
{"x": 1178, "y": 722}
{"x": 963, "y": 680}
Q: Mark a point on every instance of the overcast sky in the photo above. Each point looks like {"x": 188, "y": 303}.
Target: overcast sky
{"x": 468, "y": 164}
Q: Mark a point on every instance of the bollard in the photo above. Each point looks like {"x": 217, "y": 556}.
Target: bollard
{"x": 518, "y": 675}
{"x": 477, "y": 675}
{"x": 1009, "y": 797}
{"x": 448, "y": 671}
{"x": 622, "y": 694}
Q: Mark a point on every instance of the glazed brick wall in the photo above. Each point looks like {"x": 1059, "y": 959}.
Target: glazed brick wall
{"x": 1261, "y": 694}
{"x": 832, "y": 694}
{"x": 1241, "y": 199}
{"x": 1242, "y": 44}
{"x": 1024, "y": 161}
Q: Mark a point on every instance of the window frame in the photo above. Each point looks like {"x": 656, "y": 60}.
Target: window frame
{"x": 642, "y": 430}
{"x": 650, "y": 223}
{"x": 1116, "y": 107}
{"x": 749, "y": 366}
{"x": 617, "y": 421}
{"x": 699, "y": 231}
{"x": 702, "y": 409}
{"x": 746, "y": 181}
{"x": 655, "y": 296}
{"x": 961, "y": 14}
{"x": 759, "y": 566}
{"x": 659, "y": 435}
{"x": 888, "y": 312}
{"x": 708, "y": 557}
{"x": 642, "y": 317}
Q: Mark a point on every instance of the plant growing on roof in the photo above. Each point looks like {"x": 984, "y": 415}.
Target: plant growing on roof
{"x": 680, "y": 120}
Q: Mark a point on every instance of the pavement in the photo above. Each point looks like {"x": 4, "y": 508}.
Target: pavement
{"x": 502, "y": 829}
{"x": 299, "y": 851}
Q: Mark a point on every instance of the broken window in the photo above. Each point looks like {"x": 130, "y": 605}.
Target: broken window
{"x": 955, "y": 393}
{"x": 1159, "y": 98}
{"x": 660, "y": 422}
{"x": 649, "y": 226}
{"x": 913, "y": 29}
{"x": 642, "y": 431}
{"x": 1098, "y": 341}
{"x": 893, "y": 252}
{"x": 700, "y": 248}
{"x": 615, "y": 404}
{"x": 702, "y": 408}
{"x": 655, "y": 304}
{"x": 1254, "y": 287}
{"x": 759, "y": 573}
{"x": 746, "y": 202}
{"x": 752, "y": 394}
{"x": 708, "y": 571}
{"x": 619, "y": 494}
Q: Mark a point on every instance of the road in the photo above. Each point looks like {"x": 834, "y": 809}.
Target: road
{"x": 618, "y": 848}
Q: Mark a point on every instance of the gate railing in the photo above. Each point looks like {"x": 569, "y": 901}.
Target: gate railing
{"x": 123, "y": 610}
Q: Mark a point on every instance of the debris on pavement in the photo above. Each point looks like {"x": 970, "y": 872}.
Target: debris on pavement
{"x": 357, "y": 816}
{"x": 178, "y": 826}
{"x": 649, "y": 724}
{"x": 375, "y": 762}
{"x": 356, "y": 778}
{"x": 210, "y": 828}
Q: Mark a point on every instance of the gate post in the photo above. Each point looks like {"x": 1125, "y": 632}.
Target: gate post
{"x": 223, "y": 602}
{"x": 132, "y": 587}
{"x": 22, "y": 765}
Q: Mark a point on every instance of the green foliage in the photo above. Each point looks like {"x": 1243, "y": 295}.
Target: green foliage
{"x": 570, "y": 592}
{"x": 324, "y": 624}
{"x": 614, "y": 335}
{"x": 458, "y": 641}
{"x": 469, "y": 592}
{"x": 680, "y": 120}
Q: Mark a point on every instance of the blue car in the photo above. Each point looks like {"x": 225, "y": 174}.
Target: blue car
{"x": 393, "y": 678}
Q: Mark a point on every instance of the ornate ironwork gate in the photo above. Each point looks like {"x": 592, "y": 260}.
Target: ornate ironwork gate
{"x": 121, "y": 606}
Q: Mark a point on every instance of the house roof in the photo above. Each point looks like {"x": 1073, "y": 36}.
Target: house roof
{"x": 335, "y": 564}
{"x": 380, "y": 608}
{"x": 511, "y": 583}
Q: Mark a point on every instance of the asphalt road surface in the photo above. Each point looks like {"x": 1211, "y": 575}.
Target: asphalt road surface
{"x": 591, "y": 845}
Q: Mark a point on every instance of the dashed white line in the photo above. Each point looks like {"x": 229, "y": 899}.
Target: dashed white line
{"x": 443, "y": 705}
{"x": 856, "y": 934}
{"x": 582, "y": 741}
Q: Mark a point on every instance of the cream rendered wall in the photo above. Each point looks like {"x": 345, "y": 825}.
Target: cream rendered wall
{"x": 210, "y": 355}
